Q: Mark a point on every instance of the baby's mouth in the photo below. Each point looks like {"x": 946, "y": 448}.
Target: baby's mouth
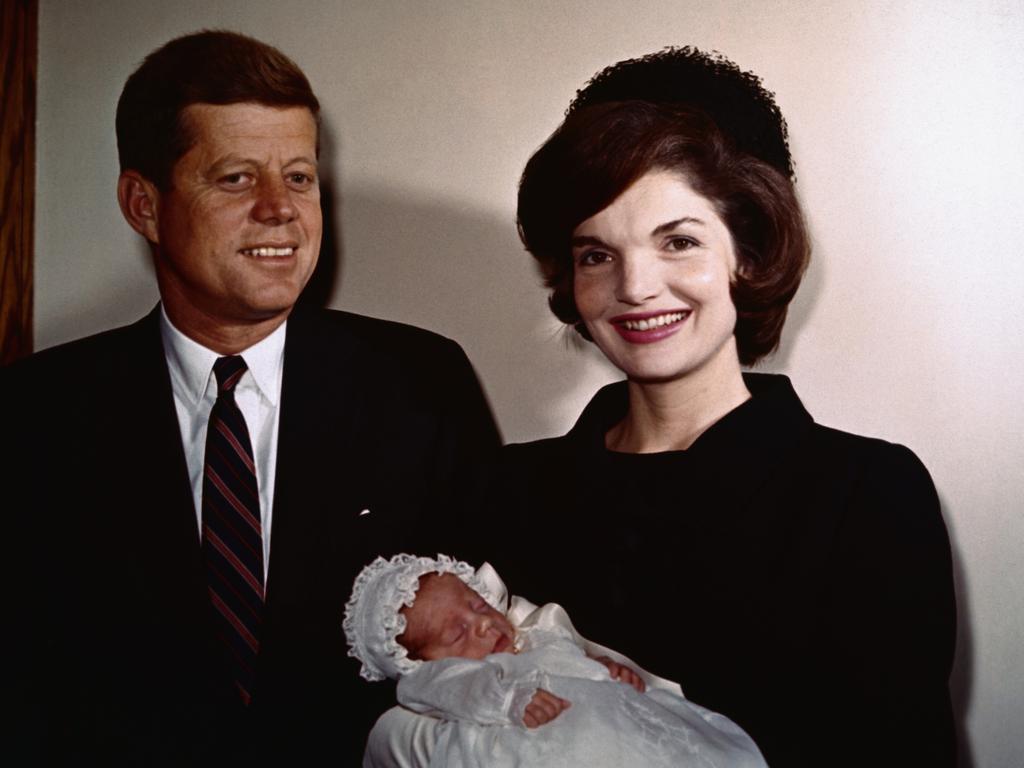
{"x": 502, "y": 644}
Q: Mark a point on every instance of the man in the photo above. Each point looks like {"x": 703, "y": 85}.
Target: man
{"x": 194, "y": 494}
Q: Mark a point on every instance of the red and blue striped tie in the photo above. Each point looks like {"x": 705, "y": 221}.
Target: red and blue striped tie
{"x": 232, "y": 533}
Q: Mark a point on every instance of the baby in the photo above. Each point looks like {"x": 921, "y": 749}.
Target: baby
{"x": 488, "y": 679}
{"x": 449, "y": 619}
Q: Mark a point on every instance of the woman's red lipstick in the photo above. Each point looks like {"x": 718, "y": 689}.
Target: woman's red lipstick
{"x": 649, "y": 327}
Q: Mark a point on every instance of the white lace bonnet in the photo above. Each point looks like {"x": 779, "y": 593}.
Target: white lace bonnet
{"x": 373, "y": 620}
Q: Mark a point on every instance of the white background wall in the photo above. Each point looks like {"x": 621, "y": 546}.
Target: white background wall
{"x": 906, "y": 121}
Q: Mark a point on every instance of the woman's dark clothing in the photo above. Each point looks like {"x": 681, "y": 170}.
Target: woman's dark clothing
{"x": 790, "y": 576}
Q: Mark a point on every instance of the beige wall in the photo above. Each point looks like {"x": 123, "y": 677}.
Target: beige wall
{"x": 906, "y": 120}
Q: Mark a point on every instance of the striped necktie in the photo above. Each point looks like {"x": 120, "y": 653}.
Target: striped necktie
{"x": 232, "y": 535}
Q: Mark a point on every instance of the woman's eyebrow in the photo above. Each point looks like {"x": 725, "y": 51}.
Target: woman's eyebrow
{"x": 579, "y": 240}
{"x": 668, "y": 226}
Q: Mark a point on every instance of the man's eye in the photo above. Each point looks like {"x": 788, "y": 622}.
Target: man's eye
{"x": 234, "y": 180}
{"x": 299, "y": 179}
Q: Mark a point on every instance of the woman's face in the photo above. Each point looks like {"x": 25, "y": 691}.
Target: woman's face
{"x": 651, "y": 276}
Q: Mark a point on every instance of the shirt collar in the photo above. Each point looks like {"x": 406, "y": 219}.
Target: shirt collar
{"x": 191, "y": 364}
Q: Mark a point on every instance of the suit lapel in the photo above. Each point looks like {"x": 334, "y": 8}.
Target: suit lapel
{"x": 163, "y": 524}
{"x": 316, "y": 455}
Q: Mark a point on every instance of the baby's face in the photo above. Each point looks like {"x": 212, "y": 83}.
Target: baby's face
{"x": 450, "y": 619}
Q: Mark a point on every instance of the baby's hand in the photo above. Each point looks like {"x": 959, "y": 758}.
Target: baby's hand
{"x": 622, "y": 673}
{"x": 543, "y": 708}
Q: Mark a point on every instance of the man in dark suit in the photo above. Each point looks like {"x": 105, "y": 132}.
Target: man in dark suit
{"x": 193, "y": 494}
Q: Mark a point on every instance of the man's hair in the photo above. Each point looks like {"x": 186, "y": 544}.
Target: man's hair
{"x": 603, "y": 148}
{"x": 208, "y": 67}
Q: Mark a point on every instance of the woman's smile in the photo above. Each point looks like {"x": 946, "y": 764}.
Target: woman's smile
{"x": 648, "y": 327}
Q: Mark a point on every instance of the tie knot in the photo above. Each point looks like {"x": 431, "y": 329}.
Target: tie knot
{"x": 228, "y": 371}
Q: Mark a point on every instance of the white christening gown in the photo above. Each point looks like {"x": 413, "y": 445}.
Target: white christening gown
{"x": 481, "y": 705}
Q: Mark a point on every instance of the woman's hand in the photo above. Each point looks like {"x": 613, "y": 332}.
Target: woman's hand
{"x": 622, "y": 673}
{"x": 543, "y": 708}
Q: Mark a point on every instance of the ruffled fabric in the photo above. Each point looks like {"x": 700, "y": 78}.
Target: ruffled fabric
{"x": 373, "y": 619}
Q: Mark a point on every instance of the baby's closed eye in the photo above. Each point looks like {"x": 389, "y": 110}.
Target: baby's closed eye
{"x": 453, "y": 635}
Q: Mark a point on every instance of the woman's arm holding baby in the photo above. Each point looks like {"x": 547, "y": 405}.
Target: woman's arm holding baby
{"x": 487, "y": 692}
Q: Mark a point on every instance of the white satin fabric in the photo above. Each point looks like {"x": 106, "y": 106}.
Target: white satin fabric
{"x": 460, "y": 713}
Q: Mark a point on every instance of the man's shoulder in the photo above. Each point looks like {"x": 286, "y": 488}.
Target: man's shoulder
{"x": 366, "y": 326}
{"x": 80, "y": 358}
{"x": 537, "y": 450}
{"x": 370, "y": 329}
{"x": 372, "y": 342}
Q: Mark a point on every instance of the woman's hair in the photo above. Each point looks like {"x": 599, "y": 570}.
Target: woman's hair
{"x": 737, "y": 101}
{"x": 601, "y": 149}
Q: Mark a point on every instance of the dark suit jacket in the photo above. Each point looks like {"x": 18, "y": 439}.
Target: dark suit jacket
{"x": 117, "y": 663}
{"x": 790, "y": 576}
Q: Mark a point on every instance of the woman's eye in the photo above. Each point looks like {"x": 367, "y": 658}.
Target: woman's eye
{"x": 681, "y": 243}
{"x": 592, "y": 258}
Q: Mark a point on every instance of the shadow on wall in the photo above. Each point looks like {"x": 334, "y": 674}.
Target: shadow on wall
{"x": 464, "y": 274}
{"x": 961, "y": 681}
{"x": 129, "y": 299}
{"x": 801, "y": 309}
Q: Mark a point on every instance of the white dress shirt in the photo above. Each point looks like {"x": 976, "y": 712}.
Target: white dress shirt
{"x": 258, "y": 395}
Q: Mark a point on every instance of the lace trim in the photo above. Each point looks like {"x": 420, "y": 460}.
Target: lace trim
{"x": 373, "y": 620}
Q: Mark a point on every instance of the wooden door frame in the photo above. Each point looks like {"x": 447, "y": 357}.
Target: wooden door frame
{"x": 19, "y": 32}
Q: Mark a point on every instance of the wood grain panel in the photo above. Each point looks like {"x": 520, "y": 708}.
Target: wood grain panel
{"x": 18, "y": 45}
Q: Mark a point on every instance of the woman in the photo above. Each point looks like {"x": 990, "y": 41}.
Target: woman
{"x": 791, "y": 576}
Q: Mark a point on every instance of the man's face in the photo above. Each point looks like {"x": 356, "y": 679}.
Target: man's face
{"x": 238, "y": 232}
